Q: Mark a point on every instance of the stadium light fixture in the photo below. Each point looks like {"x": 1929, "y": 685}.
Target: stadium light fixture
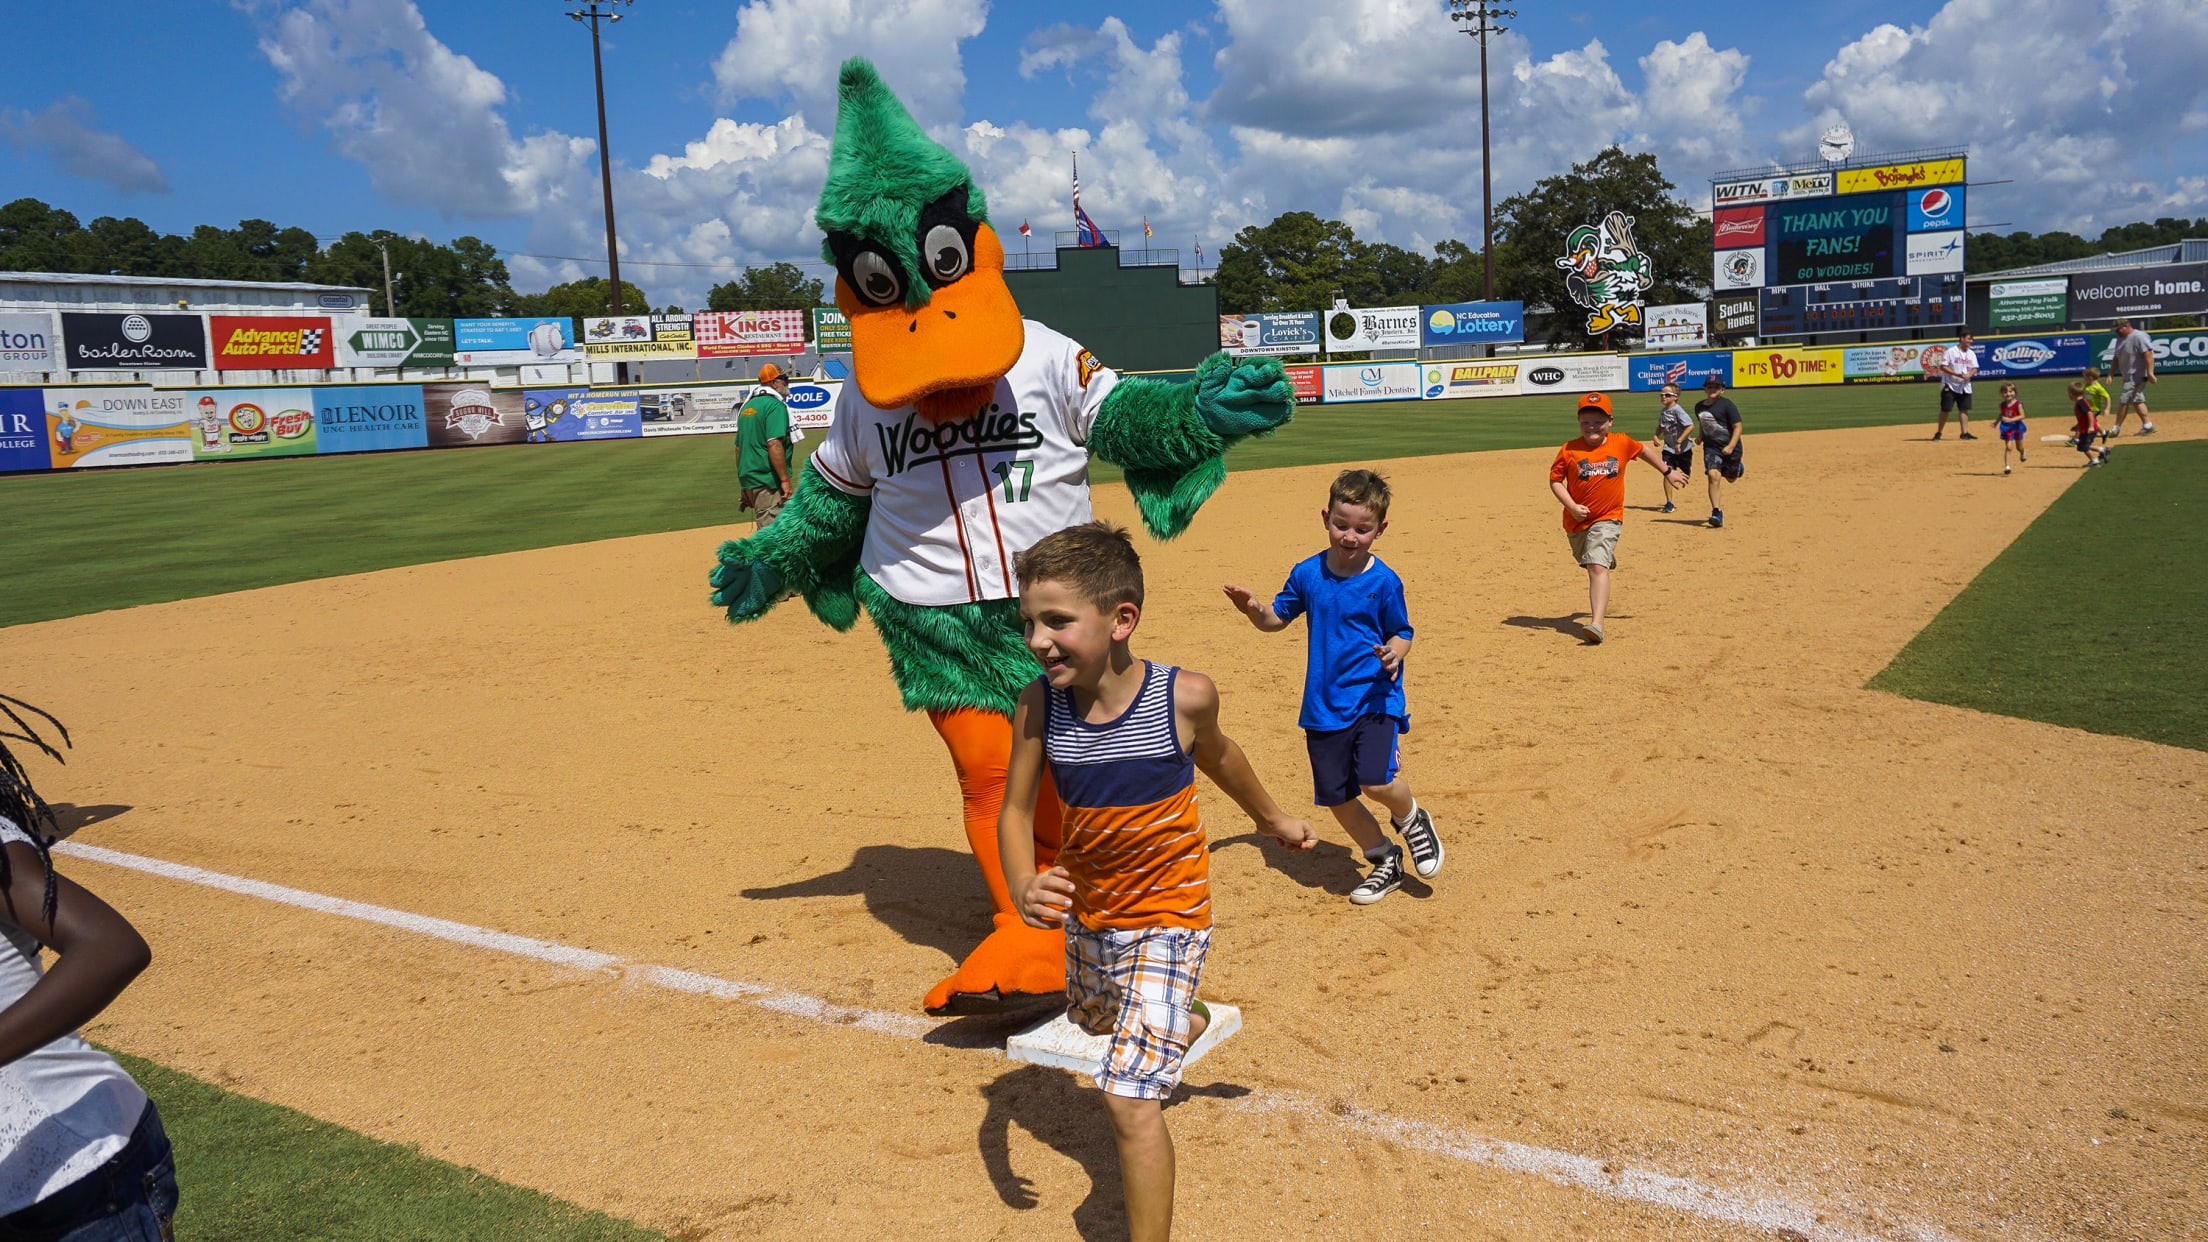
{"x": 592, "y": 12}
{"x": 1482, "y": 19}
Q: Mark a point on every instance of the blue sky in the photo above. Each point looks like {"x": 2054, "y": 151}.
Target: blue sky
{"x": 441, "y": 117}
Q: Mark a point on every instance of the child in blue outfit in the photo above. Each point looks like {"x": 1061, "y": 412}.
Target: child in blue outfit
{"x": 1353, "y": 705}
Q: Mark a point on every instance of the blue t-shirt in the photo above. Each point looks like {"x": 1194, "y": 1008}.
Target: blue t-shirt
{"x": 1343, "y": 681}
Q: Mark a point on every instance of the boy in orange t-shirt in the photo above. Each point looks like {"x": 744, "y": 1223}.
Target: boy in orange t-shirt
{"x": 1588, "y": 476}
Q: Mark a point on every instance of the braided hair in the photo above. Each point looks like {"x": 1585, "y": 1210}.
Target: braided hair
{"x": 20, "y": 803}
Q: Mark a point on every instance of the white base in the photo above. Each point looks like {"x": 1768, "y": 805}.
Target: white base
{"x": 1062, "y": 1045}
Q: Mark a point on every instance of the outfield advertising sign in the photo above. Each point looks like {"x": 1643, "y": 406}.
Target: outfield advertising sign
{"x": 1388, "y": 327}
{"x": 2173, "y": 289}
{"x": 1270, "y": 335}
{"x": 394, "y": 343}
{"x": 23, "y": 430}
{"x": 251, "y": 422}
{"x": 1901, "y": 176}
{"x": 1934, "y": 254}
{"x": 2065, "y": 354}
{"x": 117, "y": 427}
{"x": 1936, "y": 210}
{"x": 271, "y": 342}
{"x": 2024, "y": 303}
{"x": 737, "y": 334}
{"x": 366, "y": 418}
{"x": 134, "y": 342}
{"x": 1473, "y": 323}
{"x": 831, "y": 331}
{"x": 690, "y": 411}
{"x": 1770, "y": 368}
{"x": 1309, "y": 385}
{"x": 1572, "y": 373}
{"x": 1770, "y": 189}
{"x": 1738, "y": 269}
{"x": 2179, "y": 350}
{"x": 1452, "y": 380}
{"x": 610, "y": 338}
{"x": 513, "y": 342}
{"x": 1684, "y": 325}
{"x": 464, "y": 415}
{"x": 1735, "y": 314}
{"x": 1650, "y": 372}
{"x": 1371, "y": 381}
{"x": 813, "y": 406}
{"x": 28, "y": 342}
{"x": 1871, "y": 364}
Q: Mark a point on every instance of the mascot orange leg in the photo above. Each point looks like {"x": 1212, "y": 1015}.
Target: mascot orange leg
{"x": 1015, "y": 958}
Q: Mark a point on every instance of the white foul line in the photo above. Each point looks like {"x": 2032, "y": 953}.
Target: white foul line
{"x": 1563, "y": 1168}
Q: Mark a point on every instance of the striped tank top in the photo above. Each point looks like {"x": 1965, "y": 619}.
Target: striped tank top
{"x": 1134, "y": 843}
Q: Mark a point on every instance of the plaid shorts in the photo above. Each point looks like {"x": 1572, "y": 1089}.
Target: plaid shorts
{"x": 1135, "y": 986}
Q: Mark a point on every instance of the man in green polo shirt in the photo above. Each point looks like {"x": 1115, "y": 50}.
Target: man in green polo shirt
{"x": 763, "y": 447}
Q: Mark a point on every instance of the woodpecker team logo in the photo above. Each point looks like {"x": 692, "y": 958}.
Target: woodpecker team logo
{"x": 1605, "y": 272}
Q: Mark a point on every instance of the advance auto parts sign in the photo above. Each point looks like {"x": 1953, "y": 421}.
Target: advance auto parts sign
{"x": 134, "y": 342}
{"x": 1772, "y": 368}
{"x": 1573, "y": 373}
{"x": 271, "y": 342}
{"x": 1389, "y": 327}
{"x": 1371, "y": 381}
{"x": 394, "y": 343}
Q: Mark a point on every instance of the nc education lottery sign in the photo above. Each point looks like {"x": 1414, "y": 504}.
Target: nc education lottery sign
{"x": 1473, "y": 323}
{"x": 271, "y": 342}
{"x": 512, "y": 342}
{"x": 134, "y": 342}
{"x": 1389, "y": 327}
{"x": 736, "y": 334}
{"x": 395, "y": 343}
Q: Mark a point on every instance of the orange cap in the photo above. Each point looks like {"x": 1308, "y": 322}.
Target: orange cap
{"x": 1596, "y": 401}
{"x": 768, "y": 373}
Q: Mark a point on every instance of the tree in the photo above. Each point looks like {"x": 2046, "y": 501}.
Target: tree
{"x": 1531, "y": 227}
{"x": 1297, "y": 262}
{"x": 777, "y": 286}
{"x": 580, "y": 299}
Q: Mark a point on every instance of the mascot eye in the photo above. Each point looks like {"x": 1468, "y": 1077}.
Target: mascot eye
{"x": 876, "y": 279}
{"x": 945, "y": 252}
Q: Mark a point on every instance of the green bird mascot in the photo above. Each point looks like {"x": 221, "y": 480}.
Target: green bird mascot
{"x": 965, "y": 439}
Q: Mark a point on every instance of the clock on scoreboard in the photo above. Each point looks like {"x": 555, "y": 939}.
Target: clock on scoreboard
{"x": 1863, "y": 306}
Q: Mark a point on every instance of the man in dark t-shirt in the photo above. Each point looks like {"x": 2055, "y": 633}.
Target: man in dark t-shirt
{"x": 1718, "y": 421}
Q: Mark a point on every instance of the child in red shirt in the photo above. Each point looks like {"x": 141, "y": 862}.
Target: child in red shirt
{"x": 2083, "y": 431}
{"x": 2011, "y": 426}
{"x": 1588, "y": 477}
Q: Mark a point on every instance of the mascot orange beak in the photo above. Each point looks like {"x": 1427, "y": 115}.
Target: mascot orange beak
{"x": 967, "y": 336}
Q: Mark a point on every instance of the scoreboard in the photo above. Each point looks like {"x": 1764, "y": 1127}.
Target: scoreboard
{"x": 1859, "y": 249}
{"x": 1863, "y": 306}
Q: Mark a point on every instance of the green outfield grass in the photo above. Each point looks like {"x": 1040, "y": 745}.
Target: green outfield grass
{"x": 88, "y": 540}
{"x": 2093, "y": 617}
{"x": 250, "y": 1171}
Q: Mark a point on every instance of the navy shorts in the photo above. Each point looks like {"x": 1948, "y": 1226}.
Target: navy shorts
{"x": 1344, "y": 760}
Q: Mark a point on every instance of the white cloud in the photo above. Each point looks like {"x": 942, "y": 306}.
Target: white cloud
{"x": 423, "y": 119}
{"x": 2076, "y": 104}
{"x": 789, "y": 49}
{"x": 66, "y": 131}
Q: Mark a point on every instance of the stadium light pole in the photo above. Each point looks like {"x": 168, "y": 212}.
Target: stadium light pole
{"x": 1480, "y": 18}
{"x": 593, "y": 11}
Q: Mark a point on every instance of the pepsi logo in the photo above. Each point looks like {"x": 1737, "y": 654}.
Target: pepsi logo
{"x": 1935, "y": 204}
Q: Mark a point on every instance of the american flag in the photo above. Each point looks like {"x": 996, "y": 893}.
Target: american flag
{"x": 1085, "y": 231}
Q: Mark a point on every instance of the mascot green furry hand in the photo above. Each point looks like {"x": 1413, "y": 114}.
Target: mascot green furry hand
{"x": 964, "y": 437}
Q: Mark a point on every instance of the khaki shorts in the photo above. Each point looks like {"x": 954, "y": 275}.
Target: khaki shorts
{"x": 1598, "y": 544}
{"x": 2135, "y": 393}
{"x": 764, "y": 503}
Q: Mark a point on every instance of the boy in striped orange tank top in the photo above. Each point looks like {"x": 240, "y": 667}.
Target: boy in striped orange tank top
{"x": 1123, "y": 738}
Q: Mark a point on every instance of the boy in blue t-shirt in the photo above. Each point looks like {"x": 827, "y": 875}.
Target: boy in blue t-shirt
{"x": 1353, "y": 680}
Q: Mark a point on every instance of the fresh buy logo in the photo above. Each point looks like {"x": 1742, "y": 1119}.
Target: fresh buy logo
{"x": 2027, "y": 354}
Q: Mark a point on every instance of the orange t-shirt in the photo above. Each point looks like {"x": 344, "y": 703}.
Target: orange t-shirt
{"x": 1595, "y": 477}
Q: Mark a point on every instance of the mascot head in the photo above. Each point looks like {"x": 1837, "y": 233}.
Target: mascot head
{"x": 919, "y": 272}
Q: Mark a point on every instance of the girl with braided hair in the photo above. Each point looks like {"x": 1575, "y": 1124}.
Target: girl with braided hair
{"x": 83, "y": 1157}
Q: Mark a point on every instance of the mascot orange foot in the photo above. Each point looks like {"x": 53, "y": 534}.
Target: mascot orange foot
{"x": 964, "y": 438}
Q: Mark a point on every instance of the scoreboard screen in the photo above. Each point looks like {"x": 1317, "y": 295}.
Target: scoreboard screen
{"x": 1863, "y": 306}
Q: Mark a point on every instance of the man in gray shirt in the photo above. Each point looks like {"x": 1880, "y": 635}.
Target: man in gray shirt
{"x": 2133, "y": 361}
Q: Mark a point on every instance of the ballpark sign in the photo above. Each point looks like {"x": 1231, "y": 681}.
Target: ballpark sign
{"x": 271, "y": 342}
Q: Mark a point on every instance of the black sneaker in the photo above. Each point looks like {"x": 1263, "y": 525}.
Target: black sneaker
{"x": 1386, "y": 877}
{"x": 1424, "y": 845}
{"x": 1966, "y": 436}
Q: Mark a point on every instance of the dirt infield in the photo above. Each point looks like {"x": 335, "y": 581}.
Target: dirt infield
{"x": 1711, "y": 911}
